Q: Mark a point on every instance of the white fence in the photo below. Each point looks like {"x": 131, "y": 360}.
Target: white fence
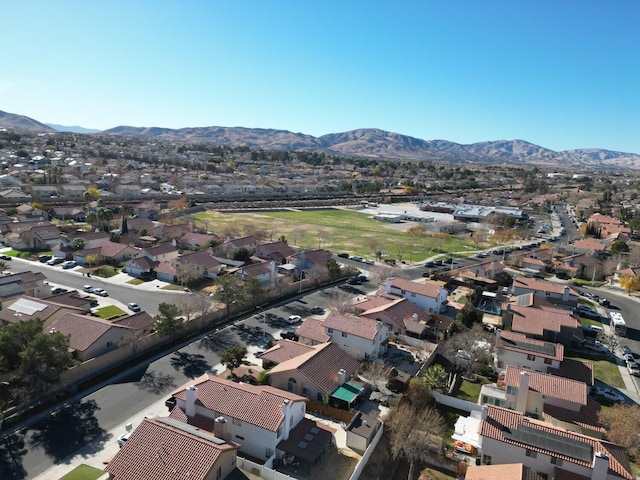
{"x": 261, "y": 470}
{"x": 367, "y": 453}
{"x": 456, "y": 403}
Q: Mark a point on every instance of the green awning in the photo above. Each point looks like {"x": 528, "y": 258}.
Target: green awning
{"x": 347, "y": 392}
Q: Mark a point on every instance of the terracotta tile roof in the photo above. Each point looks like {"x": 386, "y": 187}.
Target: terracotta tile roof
{"x": 542, "y": 285}
{"x": 534, "y": 320}
{"x": 137, "y": 321}
{"x": 202, "y": 257}
{"x": 586, "y": 417}
{"x": 533, "y": 261}
{"x": 159, "y": 249}
{"x": 502, "y": 422}
{"x": 321, "y": 366}
{"x": 550, "y": 385}
{"x": 575, "y": 370}
{"x": 193, "y": 238}
{"x": 284, "y": 350}
{"x": 427, "y": 288}
{"x": 313, "y": 329}
{"x": 143, "y": 262}
{"x": 242, "y": 241}
{"x": 510, "y": 471}
{"x": 590, "y": 244}
{"x": 166, "y": 267}
{"x": 358, "y": 326}
{"x": 84, "y": 330}
{"x": 518, "y": 342}
{"x": 374, "y": 303}
{"x": 257, "y": 405}
{"x": 161, "y": 449}
{"x": 397, "y": 308}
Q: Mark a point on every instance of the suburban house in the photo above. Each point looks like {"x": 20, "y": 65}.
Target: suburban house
{"x": 90, "y": 239}
{"x": 310, "y": 264}
{"x": 512, "y": 348}
{"x": 147, "y": 210}
{"x": 90, "y": 336}
{"x": 166, "y": 449}
{"x": 608, "y": 225}
{"x": 277, "y": 251}
{"x": 25, "y": 308}
{"x": 399, "y": 315}
{"x": 197, "y": 265}
{"x": 578, "y": 265}
{"x": 249, "y": 243}
{"x": 110, "y": 252}
{"x": 170, "y": 232}
{"x": 592, "y": 246}
{"x": 140, "y": 267}
{"x": 486, "y": 269}
{"x": 138, "y": 223}
{"x": 194, "y": 241}
{"x": 558, "y": 400}
{"x": 24, "y": 283}
{"x": 629, "y": 272}
{"x": 67, "y": 213}
{"x": 322, "y": 374}
{"x": 164, "y": 252}
{"x": 284, "y": 350}
{"x": 429, "y": 295}
{"x": 556, "y": 293}
{"x": 263, "y": 271}
{"x": 256, "y": 417}
{"x": 533, "y": 265}
{"x": 508, "y": 436}
{"x": 33, "y": 236}
{"x": 536, "y": 318}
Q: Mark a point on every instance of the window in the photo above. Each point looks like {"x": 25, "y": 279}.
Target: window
{"x": 344, "y": 334}
{"x": 531, "y": 357}
{"x": 268, "y": 453}
{"x": 219, "y": 473}
{"x": 511, "y": 390}
{"x": 547, "y": 361}
{"x": 486, "y": 459}
{"x": 329, "y": 330}
{"x": 500, "y": 364}
{"x": 238, "y": 436}
{"x": 531, "y": 453}
{"x": 305, "y": 391}
{"x": 109, "y": 344}
{"x": 235, "y": 421}
{"x": 320, "y": 397}
{"x": 556, "y": 461}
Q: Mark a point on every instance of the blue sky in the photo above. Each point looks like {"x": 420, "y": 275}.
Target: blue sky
{"x": 561, "y": 74}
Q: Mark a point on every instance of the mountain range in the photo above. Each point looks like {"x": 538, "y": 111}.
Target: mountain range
{"x": 366, "y": 142}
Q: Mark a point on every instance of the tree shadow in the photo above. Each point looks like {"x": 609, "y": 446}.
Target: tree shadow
{"x": 192, "y": 365}
{"x": 156, "y": 382}
{"x": 217, "y": 342}
{"x": 12, "y": 449}
{"x": 250, "y": 335}
{"x": 68, "y": 430}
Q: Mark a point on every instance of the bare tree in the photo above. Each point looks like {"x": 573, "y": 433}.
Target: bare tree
{"x": 193, "y": 304}
{"x": 471, "y": 347}
{"x": 341, "y": 303}
{"x": 376, "y": 372}
{"x": 297, "y": 233}
{"x": 414, "y": 431}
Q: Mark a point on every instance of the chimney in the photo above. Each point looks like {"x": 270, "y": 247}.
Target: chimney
{"x": 388, "y": 285}
{"x": 414, "y": 317}
{"x": 485, "y": 412}
{"x": 286, "y": 414}
{"x": 192, "y": 395}
{"x": 342, "y": 375}
{"x": 523, "y": 392}
{"x": 565, "y": 294}
{"x": 220, "y": 428}
{"x": 600, "y": 466}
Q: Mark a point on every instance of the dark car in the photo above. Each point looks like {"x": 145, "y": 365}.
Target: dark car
{"x": 44, "y": 258}
{"x": 353, "y": 281}
{"x": 317, "y": 310}
{"x": 429, "y": 265}
{"x": 289, "y": 335}
{"x": 343, "y": 255}
{"x": 6, "y": 258}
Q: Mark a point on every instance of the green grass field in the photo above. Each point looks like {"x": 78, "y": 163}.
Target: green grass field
{"x": 335, "y": 230}
{"x": 84, "y": 472}
{"x": 110, "y": 311}
{"x": 606, "y": 371}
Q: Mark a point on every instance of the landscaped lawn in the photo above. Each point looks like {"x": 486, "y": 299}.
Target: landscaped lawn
{"x": 11, "y": 253}
{"x": 587, "y": 321}
{"x": 110, "y": 311}
{"x": 135, "y": 281}
{"x": 605, "y": 371}
{"x": 470, "y": 391}
{"x": 105, "y": 272}
{"x": 335, "y": 230}
{"x": 84, "y": 472}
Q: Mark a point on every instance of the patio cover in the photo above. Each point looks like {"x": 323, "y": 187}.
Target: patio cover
{"x": 307, "y": 441}
{"x": 347, "y": 392}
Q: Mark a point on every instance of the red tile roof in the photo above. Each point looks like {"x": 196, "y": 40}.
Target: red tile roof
{"x": 518, "y": 342}
{"x": 510, "y": 471}
{"x": 542, "y": 285}
{"x": 501, "y": 421}
{"x": 284, "y": 350}
{"x": 427, "y": 288}
{"x": 313, "y": 329}
{"x": 358, "y": 326}
{"x": 321, "y": 366}
{"x": 549, "y": 385}
{"x": 535, "y": 320}
{"x": 84, "y": 330}
{"x": 161, "y": 449}
{"x": 257, "y": 405}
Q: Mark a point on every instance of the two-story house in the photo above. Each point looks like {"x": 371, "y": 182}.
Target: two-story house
{"x": 518, "y": 350}
{"x": 556, "y": 293}
{"x": 429, "y": 295}
{"x": 256, "y": 417}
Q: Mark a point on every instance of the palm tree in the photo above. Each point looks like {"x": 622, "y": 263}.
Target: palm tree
{"x": 104, "y": 217}
{"x": 92, "y": 219}
{"x": 435, "y": 377}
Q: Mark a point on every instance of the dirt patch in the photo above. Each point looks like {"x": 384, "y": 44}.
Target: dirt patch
{"x": 338, "y": 465}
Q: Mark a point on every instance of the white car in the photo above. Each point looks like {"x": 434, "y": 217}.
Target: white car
{"x": 633, "y": 368}
{"x": 134, "y": 307}
{"x": 607, "y": 394}
{"x": 595, "y": 346}
{"x": 294, "y": 319}
{"x": 88, "y": 289}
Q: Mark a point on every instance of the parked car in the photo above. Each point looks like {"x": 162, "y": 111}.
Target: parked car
{"x": 58, "y": 290}
{"x": 289, "y": 335}
{"x": 317, "y": 310}
{"x": 607, "y": 394}
{"x": 6, "y": 258}
{"x": 69, "y": 264}
{"x": 101, "y": 291}
{"x": 429, "y": 265}
{"x": 134, "y": 307}
{"x": 595, "y": 346}
{"x": 626, "y": 350}
{"x": 294, "y": 319}
{"x": 43, "y": 258}
{"x": 604, "y": 302}
{"x": 356, "y": 258}
{"x": 592, "y": 330}
{"x": 88, "y": 288}
{"x": 343, "y": 255}
{"x": 633, "y": 368}
{"x": 55, "y": 261}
